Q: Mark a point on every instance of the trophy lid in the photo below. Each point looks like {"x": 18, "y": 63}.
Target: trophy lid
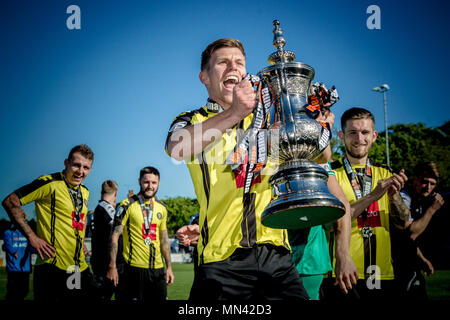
{"x": 281, "y": 55}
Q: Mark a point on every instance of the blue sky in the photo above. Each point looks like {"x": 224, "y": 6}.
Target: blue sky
{"x": 117, "y": 83}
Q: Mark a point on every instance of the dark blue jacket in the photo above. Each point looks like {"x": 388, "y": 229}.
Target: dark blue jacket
{"x": 14, "y": 242}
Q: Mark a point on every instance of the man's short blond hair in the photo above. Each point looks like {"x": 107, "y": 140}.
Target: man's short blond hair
{"x": 109, "y": 187}
{"x": 220, "y": 43}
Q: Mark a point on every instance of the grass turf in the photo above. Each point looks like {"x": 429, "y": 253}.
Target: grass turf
{"x": 438, "y": 285}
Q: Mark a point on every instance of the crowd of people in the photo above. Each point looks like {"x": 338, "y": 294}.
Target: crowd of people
{"x": 373, "y": 251}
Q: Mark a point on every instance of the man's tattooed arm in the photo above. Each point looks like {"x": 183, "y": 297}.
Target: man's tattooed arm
{"x": 12, "y": 206}
{"x": 165, "y": 249}
{"x": 118, "y": 230}
{"x": 399, "y": 212}
{"x": 112, "y": 269}
{"x": 165, "y": 246}
{"x": 15, "y": 212}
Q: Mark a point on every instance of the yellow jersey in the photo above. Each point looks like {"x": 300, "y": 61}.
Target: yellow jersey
{"x": 229, "y": 218}
{"x": 142, "y": 247}
{"x": 376, "y": 249}
{"x": 57, "y": 221}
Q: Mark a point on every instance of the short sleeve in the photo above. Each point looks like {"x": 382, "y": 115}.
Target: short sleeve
{"x": 36, "y": 190}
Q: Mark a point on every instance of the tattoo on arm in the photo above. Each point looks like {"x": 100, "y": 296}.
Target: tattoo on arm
{"x": 165, "y": 247}
{"x": 14, "y": 209}
{"x": 118, "y": 230}
{"x": 113, "y": 251}
{"x": 399, "y": 211}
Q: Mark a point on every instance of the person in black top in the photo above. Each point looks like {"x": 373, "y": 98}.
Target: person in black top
{"x": 411, "y": 254}
{"x": 103, "y": 224}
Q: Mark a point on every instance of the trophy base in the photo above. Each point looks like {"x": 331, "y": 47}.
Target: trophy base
{"x": 301, "y": 198}
{"x": 301, "y": 214}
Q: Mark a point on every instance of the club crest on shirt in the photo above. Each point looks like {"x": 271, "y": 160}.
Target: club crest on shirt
{"x": 159, "y": 215}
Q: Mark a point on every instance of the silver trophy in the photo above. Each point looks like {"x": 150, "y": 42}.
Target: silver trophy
{"x": 301, "y": 197}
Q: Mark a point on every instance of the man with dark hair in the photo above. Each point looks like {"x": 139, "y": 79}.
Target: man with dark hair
{"x": 424, "y": 202}
{"x": 142, "y": 219}
{"x": 103, "y": 226}
{"x": 61, "y": 209}
{"x": 412, "y": 246}
{"x": 376, "y": 206}
{"x": 239, "y": 258}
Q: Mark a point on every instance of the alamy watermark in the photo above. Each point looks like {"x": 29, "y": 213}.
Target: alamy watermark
{"x": 73, "y": 22}
{"x": 74, "y": 280}
{"x": 188, "y": 144}
{"x": 374, "y": 279}
{"x": 374, "y": 20}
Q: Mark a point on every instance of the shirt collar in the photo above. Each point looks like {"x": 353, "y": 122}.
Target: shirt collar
{"x": 213, "y": 106}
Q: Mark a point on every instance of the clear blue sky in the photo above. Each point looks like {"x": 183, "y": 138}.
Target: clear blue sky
{"x": 117, "y": 83}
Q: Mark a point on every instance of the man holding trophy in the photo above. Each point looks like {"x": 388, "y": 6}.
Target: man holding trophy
{"x": 239, "y": 256}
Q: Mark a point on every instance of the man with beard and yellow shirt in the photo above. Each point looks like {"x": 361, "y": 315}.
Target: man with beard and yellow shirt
{"x": 142, "y": 220}
{"x": 376, "y": 206}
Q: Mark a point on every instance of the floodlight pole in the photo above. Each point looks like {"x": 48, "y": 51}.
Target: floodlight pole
{"x": 383, "y": 88}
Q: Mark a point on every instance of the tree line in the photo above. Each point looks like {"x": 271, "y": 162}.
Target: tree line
{"x": 410, "y": 144}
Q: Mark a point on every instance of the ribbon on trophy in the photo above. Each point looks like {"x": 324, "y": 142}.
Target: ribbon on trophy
{"x": 320, "y": 101}
{"x": 252, "y": 144}
{"x": 251, "y": 147}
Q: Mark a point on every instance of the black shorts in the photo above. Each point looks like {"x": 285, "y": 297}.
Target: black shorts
{"x": 387, "y": 291}
{"x": 53, "y": 284}
{"x": 17, "y": 286}
{"x": 141, "y": 284}
{"x": 264, "y": 272}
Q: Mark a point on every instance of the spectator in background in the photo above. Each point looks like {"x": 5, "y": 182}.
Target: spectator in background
{"x": 103, "y": 226}
{"x": 409, "y": 250}
{"x": 18, "y": 263}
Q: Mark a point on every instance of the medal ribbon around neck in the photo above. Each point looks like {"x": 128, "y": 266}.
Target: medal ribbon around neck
{"x": 77, "y": 215}
{"x": 367, "y": 179}
{"x": 366, "y": 189}
{"x": 147, "y": 217}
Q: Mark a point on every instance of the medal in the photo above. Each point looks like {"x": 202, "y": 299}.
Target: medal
{"x": 147, "y": 213}
{"x": 366, "y": 232}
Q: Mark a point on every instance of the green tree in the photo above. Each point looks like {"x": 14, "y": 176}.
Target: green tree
{"x": 410, "y": 144}
{"x": 180, "y": 210}
{"x": 336, "y": 145}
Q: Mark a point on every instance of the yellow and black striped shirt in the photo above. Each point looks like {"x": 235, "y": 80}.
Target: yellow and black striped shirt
{"x": 229, "y": 219}
{"x": 135, "y": 251}
{"x": 55, "y": 219}
{"x": 376, "y": 250}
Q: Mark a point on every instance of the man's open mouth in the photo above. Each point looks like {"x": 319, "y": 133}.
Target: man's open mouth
{"x": 230, "y": 81}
